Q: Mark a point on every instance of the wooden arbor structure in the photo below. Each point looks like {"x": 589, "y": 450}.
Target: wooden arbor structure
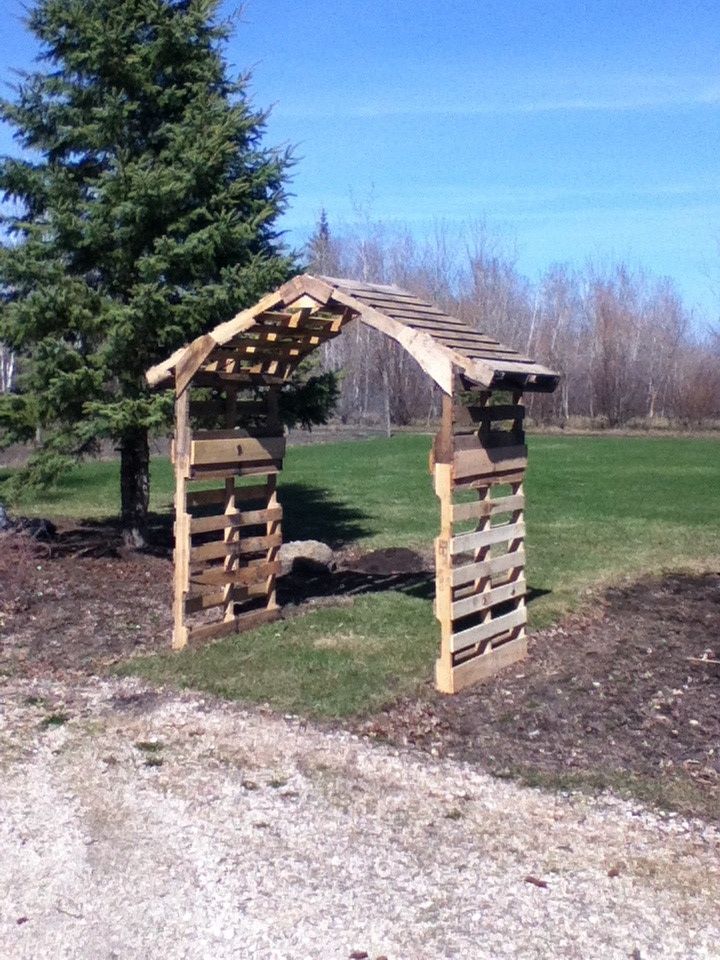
{"x": 227, "y": 535}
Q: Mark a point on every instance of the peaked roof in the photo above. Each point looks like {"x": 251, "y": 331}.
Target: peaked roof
{"x": 286, "y": 325}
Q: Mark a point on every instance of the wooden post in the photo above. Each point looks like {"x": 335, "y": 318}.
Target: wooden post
{"x": 274, "y": 425}
{"x": 441, "y": 462}
{"x": 480, "y": 584}
{"x": 181, "y": 460}
{"x": 230, "y": 534}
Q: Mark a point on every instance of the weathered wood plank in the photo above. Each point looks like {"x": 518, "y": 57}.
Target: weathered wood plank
{"x": 483, "y": 462}
{"x": 488, "y": 664}
{"x": 221, "y": 471}
{"x": 233, "y": 548}
{"x": 469, "y": 572}
{"x": 465, "y": 542}
{"x": 488, "y": 630}
{"x": 250, "y": 574}
{"x": 247, "y": 518}
{"x": 477, "y": 509}
{"x": 224, "y": 628}
{"x": 488, "y": 598}
{"x": 234, "y": 449}
{"x": 204, "y": 601}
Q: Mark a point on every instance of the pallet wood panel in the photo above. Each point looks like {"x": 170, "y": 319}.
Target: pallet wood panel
{"x": 483, "y": 462}
{"x": 235, "y": 548}
{"x": 485, "y": 538}
{"x": 488, "y": 598}
{"x": 474, "y": 510}
{"x": 235, "y": 449}
{"x": 488, "y": 630}
{"x": 247, "y": 518}
{"x": 514, "y": 560}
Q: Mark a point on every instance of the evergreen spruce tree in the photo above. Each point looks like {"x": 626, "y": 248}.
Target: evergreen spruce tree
{"x": 144, "y": 212}
{"x": 321, "y": 251}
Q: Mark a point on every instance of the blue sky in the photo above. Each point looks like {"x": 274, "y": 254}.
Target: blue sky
{"x": 576, "y": 129}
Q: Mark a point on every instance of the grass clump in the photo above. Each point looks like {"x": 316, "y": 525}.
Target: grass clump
{"x": 54, "y": 720}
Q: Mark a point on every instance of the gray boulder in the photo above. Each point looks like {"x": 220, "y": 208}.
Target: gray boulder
{"x": 306, "y": 556}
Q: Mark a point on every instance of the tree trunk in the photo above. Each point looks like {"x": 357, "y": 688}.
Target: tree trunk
{"x": 134, "y": 486}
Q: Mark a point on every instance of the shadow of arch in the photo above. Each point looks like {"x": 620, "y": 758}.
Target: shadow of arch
{"x": 312, "y": 513}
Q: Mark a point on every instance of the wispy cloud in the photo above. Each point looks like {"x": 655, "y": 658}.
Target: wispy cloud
{"x": 461, "y": 105}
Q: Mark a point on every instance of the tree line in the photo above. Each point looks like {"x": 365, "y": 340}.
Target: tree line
{"x": 627, "y": 348}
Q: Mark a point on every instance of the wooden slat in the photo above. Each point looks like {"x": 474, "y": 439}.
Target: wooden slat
{"x": 205, "y": 498}
{"x": 470, "y": 572}
{"x": 221, "y": 471}
{"x": 465, "y": 542}
{"x": 470, "y": 341}
{"x": 477, "y": 509}
{"x": 488, "y": 630}
{"x": 224, "y": 628}
{"x": 482, "y": 462}
{"x": 488, "y": 598}
{"x": 204, "y": 601}
{"x": 433, "y": 325}
{"x": 234, "y": 548}
{"x": 487, "y": 664}
{"x": 299, "y": 320}
{"x": 250, "y": 574}
{"x": 248, "y": 518}
{"x": 500, "y": 477}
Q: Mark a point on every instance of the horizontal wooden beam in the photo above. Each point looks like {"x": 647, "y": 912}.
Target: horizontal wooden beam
{"x": 465, "y": 542}
{"x": 246, "y": 518}
{"x": 482, "y": 462}
{"x": 224, "y": 628}
{"x": 488, "y": 630}
{"x": 251, "y": 574}
{"x": 488, "y": 598}
{"x": 234, "y": 548}
{"x": 477, "y": 509}
{"x": 487, "y": 664}
{"x": 513, "y": 560}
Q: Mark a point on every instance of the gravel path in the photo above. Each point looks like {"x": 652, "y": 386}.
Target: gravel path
{"x": 167, "y": 826}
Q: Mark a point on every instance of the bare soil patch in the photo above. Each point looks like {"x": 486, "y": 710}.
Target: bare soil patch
{"x": 627, "y": 698}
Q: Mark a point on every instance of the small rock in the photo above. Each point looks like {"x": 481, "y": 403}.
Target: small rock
{"x": 5, "y": 521}
{"x": 359, "y": 955}
{"x": 536, "y": 882}
{"x": 306, "y": 556}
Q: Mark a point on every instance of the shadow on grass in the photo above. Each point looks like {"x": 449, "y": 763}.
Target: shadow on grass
{"x": 310, "y": 513}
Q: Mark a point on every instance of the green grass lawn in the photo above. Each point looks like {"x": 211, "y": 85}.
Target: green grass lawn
{"x": 598, "y": 509}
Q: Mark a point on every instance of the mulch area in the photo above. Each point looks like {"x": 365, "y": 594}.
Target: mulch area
{"x": 630, "y": 691}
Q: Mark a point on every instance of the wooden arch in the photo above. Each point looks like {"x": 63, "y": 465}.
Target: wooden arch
{"x": 227, "y": 535}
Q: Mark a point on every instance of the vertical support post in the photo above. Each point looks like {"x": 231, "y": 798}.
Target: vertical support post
{"x": 274, "y": 426}
{"x": 518, "y": 516}
{"x": 442, "y": 467}
{"x": 181, "y": 460}
{"x": 230, "y": 534}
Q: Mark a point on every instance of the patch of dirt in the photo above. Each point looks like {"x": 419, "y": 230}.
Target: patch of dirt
{"x": 80, "y": 603}
{"x": 388, "y": 561}
{"x": 627, "y": 696}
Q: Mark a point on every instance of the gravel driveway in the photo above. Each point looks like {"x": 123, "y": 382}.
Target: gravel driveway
{"x": 139, "y": 825}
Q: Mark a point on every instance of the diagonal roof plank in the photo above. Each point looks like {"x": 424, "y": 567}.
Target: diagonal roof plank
{"x": 440, "y": 344}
